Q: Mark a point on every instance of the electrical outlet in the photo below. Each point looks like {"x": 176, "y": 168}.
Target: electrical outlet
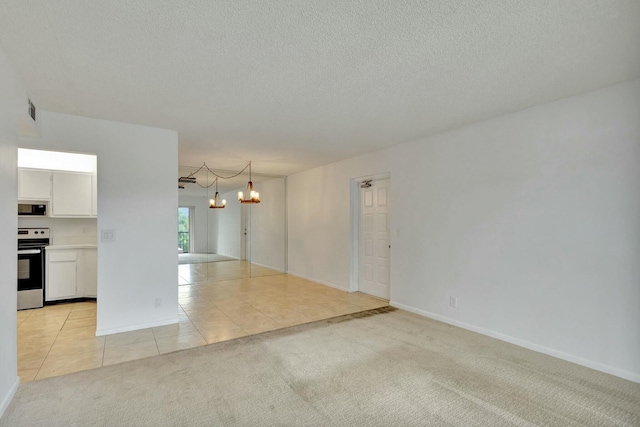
{"x": 158, "y": 302}
{"x": 453, "y": 302}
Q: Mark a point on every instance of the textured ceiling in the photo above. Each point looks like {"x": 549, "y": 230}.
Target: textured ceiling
{"x": 296, "y": 84}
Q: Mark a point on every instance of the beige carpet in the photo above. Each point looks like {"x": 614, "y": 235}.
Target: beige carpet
{"x": 381, "y": 368}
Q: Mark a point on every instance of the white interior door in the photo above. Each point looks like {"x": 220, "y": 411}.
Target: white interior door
{"x": 374, "y": 244}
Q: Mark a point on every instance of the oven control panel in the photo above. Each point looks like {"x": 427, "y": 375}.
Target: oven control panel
{"x": 33, "y": 233}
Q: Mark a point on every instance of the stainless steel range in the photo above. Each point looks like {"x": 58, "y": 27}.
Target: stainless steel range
{"x": 31, "y": 244}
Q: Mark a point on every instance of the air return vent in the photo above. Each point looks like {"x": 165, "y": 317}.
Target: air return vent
{"x": 32, "y": 111}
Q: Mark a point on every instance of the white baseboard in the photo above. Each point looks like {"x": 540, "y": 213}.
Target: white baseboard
{"x": 631, "y": 376}
{"x": 9, "y": 396}
{"x": 331, "y": 285}
{"x": 135, "y": 327}
{"x": 268, "y": 266}
{"x": 225, "y": 255}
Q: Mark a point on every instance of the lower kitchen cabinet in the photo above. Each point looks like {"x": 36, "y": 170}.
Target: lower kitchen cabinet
{"x": 71, "y": 273}
{"x": 88, "y": 273}
{"x": 61, "y": 281}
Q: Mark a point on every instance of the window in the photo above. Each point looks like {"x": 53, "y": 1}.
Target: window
{"x": 184, "y": 229}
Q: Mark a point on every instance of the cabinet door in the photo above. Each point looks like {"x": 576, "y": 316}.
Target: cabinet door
{"x": 71, "y": 195}
{"x": 88, "y": 273}
{"x": 34, "y": 184}
{"x": 61, "y": 277}
{"x": 94, "y": 195}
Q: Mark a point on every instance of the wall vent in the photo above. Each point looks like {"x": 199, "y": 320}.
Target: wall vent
{"x": 32, "y": 110}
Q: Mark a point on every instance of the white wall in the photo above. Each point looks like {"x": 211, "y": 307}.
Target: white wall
{"x": 318, "y": 212}
{"x": 268, "y": 225}
{"x": 531, "y": 220}
{"x": 12, "y": 100}
{"x": 228, "y": 226}
{"x": 138, "y": 198}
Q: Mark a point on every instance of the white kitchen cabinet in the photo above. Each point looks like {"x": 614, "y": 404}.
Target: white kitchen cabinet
{"x": 34, "y": 184}
{"x": 61, "y": 275}
{"x": 94, "y": 195}
{"x": 71, "y": 272}
{"x": 72, "y": 194}
{"x": 88, "y": 273}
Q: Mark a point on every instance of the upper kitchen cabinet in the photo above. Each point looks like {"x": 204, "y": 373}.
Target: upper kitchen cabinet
{"x": 34, "y": 184}
{"x": 67, "y": 181}
{"x": 72, "y": 194}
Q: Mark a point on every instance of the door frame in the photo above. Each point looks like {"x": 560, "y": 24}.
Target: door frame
{"x": 354, "y": 240}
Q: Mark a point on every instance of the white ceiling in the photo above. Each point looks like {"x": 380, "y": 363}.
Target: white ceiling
{"x": 296, "y": 84}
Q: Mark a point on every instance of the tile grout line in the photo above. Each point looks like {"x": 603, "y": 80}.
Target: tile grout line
{"x": 284, "y": 326}
{"x": 155, "y": 340}
{"x": 194, "y": 325}
{"x": 49, "y": 351}
{"x": 104, "y": 349}
{"x": 263, "y": 291}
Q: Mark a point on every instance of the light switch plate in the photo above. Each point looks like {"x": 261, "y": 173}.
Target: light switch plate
{"x": 108, "y": 235}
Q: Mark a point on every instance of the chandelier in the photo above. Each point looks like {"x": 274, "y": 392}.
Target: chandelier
{"x": 252, "y": 195}
{"x": 213, "y": 203}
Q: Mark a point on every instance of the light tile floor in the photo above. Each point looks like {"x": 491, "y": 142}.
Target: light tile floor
{"x": 60, "y": 339}
{"x": 220, "y": 271}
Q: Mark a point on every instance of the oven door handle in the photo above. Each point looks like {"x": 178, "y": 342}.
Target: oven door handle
{"x": 29, "y": 251}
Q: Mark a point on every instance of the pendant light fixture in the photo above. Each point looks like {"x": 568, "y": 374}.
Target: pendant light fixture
{"x": 253, "y": 196}
{"x": 213, "y": 203}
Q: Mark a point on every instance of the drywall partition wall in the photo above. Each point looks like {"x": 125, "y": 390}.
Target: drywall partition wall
{"x": 318, "y": 216}
{"x": 12, "y": 100}
{"x": 228, "y": 226}
{"x": 138, "y": 199}
{"x": 532, "y": 221}
{"x": 268, "y": 225}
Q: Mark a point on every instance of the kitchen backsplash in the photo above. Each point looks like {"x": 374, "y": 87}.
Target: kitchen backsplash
{"x": 65, "y": 231}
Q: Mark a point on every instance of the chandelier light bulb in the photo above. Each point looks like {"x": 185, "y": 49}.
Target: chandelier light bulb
{"x": 213, "y": 203}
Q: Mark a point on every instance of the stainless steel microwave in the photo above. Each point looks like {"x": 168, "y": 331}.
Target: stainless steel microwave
{"x": 32, "y": 209}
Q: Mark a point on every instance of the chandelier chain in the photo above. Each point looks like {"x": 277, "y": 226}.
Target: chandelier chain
{"x": 204, "y": 165}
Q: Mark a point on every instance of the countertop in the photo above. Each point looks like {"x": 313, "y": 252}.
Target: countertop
{"x": 77, "y": 246}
